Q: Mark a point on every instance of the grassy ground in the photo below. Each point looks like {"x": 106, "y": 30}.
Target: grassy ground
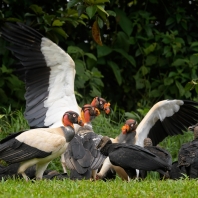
{"x": 117, "y": 188}
{"x": 151, "y": 187}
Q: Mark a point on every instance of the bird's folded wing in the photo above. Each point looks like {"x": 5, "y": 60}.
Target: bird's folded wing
{"x": 15, "y": 151}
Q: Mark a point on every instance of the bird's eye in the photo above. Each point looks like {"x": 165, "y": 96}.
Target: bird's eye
{"x": 74, "y": 115}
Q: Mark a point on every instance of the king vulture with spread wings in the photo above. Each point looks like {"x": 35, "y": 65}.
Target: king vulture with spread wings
{"x": 165, "y": 118}
{"x": 49, "y": 74}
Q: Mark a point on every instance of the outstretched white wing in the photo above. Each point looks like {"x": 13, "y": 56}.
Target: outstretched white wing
{"x": 166, "y": 118}
{"x": 49, "y": 75}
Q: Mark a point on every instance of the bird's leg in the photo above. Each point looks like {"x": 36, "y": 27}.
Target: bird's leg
{"x": 93, "y": 175}
{"x": 63, "y": 163}
{"x": 105, "y": 167}
{"x": 40, "y": 168}
{"x": 25, "y": 176}
{"x": 137, "y": 173}
{"x": 165, "y": 174}
{"x": 121, "y": 173}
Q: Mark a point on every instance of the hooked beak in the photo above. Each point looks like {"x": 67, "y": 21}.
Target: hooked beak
{"x": 97, "y": 111}
{"x": 191, "y": 128}
{"x": 107, "y": 108}
{"x": 125, "y": 129}
{"x": 80, "y": 122}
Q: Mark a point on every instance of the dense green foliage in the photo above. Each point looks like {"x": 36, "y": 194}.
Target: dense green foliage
{"x": 148, "y": 52}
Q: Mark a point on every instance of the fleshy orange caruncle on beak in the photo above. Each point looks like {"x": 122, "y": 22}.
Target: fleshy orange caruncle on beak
{"x": 107, "y": 108}
{"x": 97, "y": 111}
{"x": 125, "y": 129}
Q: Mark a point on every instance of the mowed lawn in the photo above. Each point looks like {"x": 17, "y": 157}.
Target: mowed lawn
{"x": 116, "y": 188}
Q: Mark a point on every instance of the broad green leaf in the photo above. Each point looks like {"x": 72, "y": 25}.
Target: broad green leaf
{"x": 80, "y": 9}
{"x": 168, "y": 81}
{"x": 122, "y": 41}
{"x": 100, "y": 23}
{"x": 48, "y": 19}
{"x": 91, "y": 56}
{"x": 148, "y": 30}
{"x": 57, "y": 23}
{"x": 95, "y": 92}
{"x": 116, "y": 71}
{"x": 111, "y": 13}
{"x": 150, "y": 48}
{"x": 103, "y": 16}
{"x": 194, "y": 59}
{"x": 71, "y": 3}
{"x": 170, "y": 21}
{"x": 124, "y": 22}
{"x": 127, "y": 56}
{"x": 92, "y": 2}
{"x": 1, "y": 116}
{"x": 13, "y": 19}
{"x": 184, "y": 24}
{"x": 103, "y": 51}
{"x": 79, "y": 66}
{"x": 144, "y": 70}
{"x": 178, "y": 17}
{"x": 151, "y": 60}
{"x": 194, "y": 44}
{"x": 196, "y": 88}
{"x": 74, "y": 50}
{"x": 60, "y": 31}
{"x": 188, "y": 86}
{"x": 37, "y": 9}
{"x": 172, "y": 74}
{"x": 102, "y": 9}
{"x": 5, "y": 70}
{"x": 97, "y": 73}
{"x": 91, "y": 10}
{"x": 179, "y": 62}
{"x": 181, "y": 88}
{"x": 180, "y": 40}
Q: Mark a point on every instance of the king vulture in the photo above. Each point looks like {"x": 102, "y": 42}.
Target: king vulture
{"x": 165, "y": 118}
{"x": 49, "y": 74}
{"x": 188, "y": 155}
{"x": 162, "y": 153}
{"x": 39, "y": 146}
{"x": 81, "y": 157}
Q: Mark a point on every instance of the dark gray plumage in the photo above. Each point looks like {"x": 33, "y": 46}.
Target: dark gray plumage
{"x": 162, "y": 153}
{"x": 26, "y": 46}
{"x": 188, "y": 155}
{"x": 81, "y": 156}
{"x": 131, "y": 157}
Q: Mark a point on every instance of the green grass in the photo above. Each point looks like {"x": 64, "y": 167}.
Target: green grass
{"x": 106, "y": 125}
{"x": 117, "y": 188}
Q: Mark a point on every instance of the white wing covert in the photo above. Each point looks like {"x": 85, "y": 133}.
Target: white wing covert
{"x": 49, "y": 75}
